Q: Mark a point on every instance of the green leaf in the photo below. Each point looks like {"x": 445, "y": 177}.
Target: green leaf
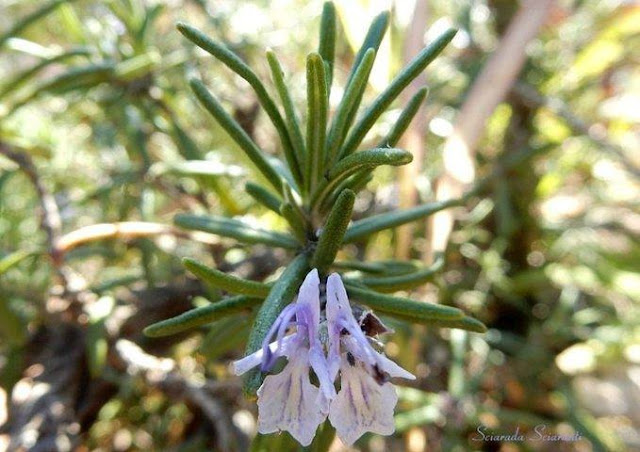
{"x": 19, "y": 26}
{"x": 372, "y": 40}
{"x": 236, "y": 133}
{"x": 295, "y": 216}
{"x": 74, "y": 78}
{"x": 349, "y": 102}
{"x": 137, "y": 66}
{"x": 186, "y": 146}
{"x": 263, "y": 196}
{"x": 236, "y": 229}
{"x": 206, "y": 168}
{"x": 405, "y": 118}
{"x": 282, "y": 293}
{"x": 201, "y": 316}
{"x": 190, "y": 151}
{"x": 327, "y": 47}
{"x": 23, "y": 77}
{"x": 224, "y": 281}
{"x": 362, "y": 228}
{"x": 12, "y": 259}
{"x": 233, "y": 62}
{"x": 293, "y": 124}
{"x": 399, "y": 83}
{"x": 111, "y": 283}
{"x": 317, "y": 111}
{"x": 71, "y": 24}
{"x": 406, "y": 281}
{"x": 418, "y": 312}
{"x": 355, "y": 183}
{"x": 96, "y": 347}
{"x": 12, "y": 327}
{"x": 368, "y": 159}
{"x": 466, "y": 323}
{"x": 289, "y": 212}
{"x": 389, "y": 267}
{"x": 224, "y": 335}
{"x": 331, "y": 237}
{"x": 77, "y": 77}
{"x": 359, "y": 181}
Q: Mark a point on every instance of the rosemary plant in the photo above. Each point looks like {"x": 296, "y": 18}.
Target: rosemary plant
{"x": 313, "y": 187}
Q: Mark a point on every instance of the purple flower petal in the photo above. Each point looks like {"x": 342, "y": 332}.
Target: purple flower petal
{"x": 362, "y": 405}
{"x": 327, "y": 389}
{"x": 255, "y": 359}
{"x": 375, "y": 358}
{"x": 280, "y": 326}
{"x": 288, "y": 401}
{"x": 308, "y": 301}
{"x": 341, "y": 320}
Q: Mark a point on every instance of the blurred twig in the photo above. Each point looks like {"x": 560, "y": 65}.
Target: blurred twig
{"x": 125, "y": 230}
{"x": 50, "y": 221}
{"x": 489, "y": 89}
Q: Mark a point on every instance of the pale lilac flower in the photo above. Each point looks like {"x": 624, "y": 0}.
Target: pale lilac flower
{"x": 288, "y": 401}
{"x": 366, "y": 399}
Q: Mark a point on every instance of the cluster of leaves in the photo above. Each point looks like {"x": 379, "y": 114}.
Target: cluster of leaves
{"x": 316, "y": 185}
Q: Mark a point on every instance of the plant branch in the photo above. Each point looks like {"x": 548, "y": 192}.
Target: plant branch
{"x": 50, "y": 221}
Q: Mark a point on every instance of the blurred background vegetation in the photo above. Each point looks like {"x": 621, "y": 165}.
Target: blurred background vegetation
{"x": 97, "y": 124}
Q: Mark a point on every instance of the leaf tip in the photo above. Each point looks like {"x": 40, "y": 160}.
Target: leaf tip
{"x": 151, "y": 331}
{"x": 183, "y": 27}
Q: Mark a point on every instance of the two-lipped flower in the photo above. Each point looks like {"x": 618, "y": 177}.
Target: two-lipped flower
{"x": 330, "y": 342}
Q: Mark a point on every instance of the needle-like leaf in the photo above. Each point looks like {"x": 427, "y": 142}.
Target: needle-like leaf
{"x": 263, "y": 196}
{"x": 317, "y": 111}
{"x": 201, "y": 316}
{"x": 225, "y": 281}
{"x": 368, "y": 159}
{"x": 330, "y": 239}
{"x": 19, "y": 26}
{"x": 388, "y": 284}
{"x": 400, "y": 82}
{"x": 327, "y": 47}
{"x": 23, "y": 77}
{"x": 372, "y": 40}
{"x": 233, "y": 62}
{"x": 350, "y": 102}
{"x": 405, "y": 307}
{"x": 367, "y": 226}
{"x": 236, "y": 133}
{"x": 236, "y": 229}
{"x": 293, "y": 124}
{"x": 405, "y": 118}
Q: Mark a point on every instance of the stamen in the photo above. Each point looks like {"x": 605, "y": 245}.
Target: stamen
{"x": 280, "y": 327}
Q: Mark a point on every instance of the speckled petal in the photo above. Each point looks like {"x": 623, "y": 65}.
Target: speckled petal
{"x": 340, "y": 318}
{"x": 362, "y": 405}
{"x": 288, "y": 401}
{"x": 372, "y": 357}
